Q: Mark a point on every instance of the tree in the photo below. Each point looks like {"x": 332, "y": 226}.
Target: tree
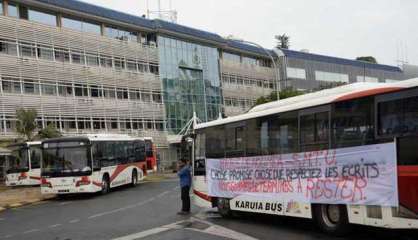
{"x": 283, "y": 41}
{"x": 369, "y": 59}
{"x": 49, "y": 132}
{"x": 26, "y": 122}
{"x": 283, "y": 94}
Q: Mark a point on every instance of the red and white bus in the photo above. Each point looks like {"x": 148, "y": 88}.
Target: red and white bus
{"x": 357, "y": 118}
{"x": 151, "y": 154}
{"x": 24, "y": 164}
{"x": 92, "y": 163}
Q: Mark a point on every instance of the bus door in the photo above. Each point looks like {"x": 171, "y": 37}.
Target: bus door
{"x": 397, "y": 118}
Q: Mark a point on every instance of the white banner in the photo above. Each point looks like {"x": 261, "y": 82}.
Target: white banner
{"x": 365, "y": 175}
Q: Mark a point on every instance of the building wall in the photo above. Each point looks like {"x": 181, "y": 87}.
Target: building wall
{"x": 243, "y": 83}
{"x": 79, "y": 97}
{"x": 310, "y": 75}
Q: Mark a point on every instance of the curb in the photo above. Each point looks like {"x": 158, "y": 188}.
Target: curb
{"x": 25, "y": 203}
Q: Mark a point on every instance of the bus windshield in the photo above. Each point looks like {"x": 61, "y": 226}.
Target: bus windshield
{"x": 66, "y": 158}
{"x": 19, "y": 160}
{"x": 149, "y": 151}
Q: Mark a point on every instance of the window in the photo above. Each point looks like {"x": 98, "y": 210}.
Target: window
{"x": 289, "y": 135}
{"x": 77, "y": 57}
{"x": 45, "y": 52}
{"x": 27, "y": 50}
{"x": 106, "y": 61}
{"x": 156, "y": 97}
{"x": 314, "y": 131}
{"x": 352, "y": 123}
{"x": 81, "y": 26}
{"x": 154, "y": 69}
{"x": 367, "y": 79}
{"x": 11, "y": 85}
{"x": 30, "y": 87}
{"x": 62, "y": 55}
{"x": 120, "y": 34}
{"x": 249, "y": 61}
{"x": 42, "y": 17}
{"x": 92, "y": 60}
{"x": 235, "y": 140}
{"x": 146, "y": 97}
{"x": 122, "y": 93}
{"x": 96, "y": 91}
{"x": 35, "y": 157}
{"x": 131, "y": 65}
{"x": 231, "y": 57}
{"x": 214, "y": 142}
{"x": 1, "y": 10}
{"x": 119, "y": 63}
{"x": 142, "y": 67}
{"x": 12, "y": 10}
{"x": 109, "y": 93}
{"x": 331, "y": 77}
{"x": 80, "y": 90}
{"x": 398, "y": 117}
{"x": 298, "y": 73}
{"x": 49, "y": 89}
{"x": 65, "y": 90}
{"x": 8, "y": 47}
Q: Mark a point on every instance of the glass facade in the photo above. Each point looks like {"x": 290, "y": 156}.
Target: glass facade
{"x": 42, "y": 17}
{"x": 191, "y": 83}
{"x": 1, "y": 7}
{"x": 12, "y": 10}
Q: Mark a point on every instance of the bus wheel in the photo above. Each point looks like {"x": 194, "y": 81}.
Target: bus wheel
{"x": 223, "y": 207}
{"x": 105, "y": 185}
{"x": 134, "y": 180}
{"x": 332, "y": 219}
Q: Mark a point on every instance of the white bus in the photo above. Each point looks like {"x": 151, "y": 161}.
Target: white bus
{"x": 24, "y": 165}
{"x": 92, "y": 163}
{"x": 357, "y": 118}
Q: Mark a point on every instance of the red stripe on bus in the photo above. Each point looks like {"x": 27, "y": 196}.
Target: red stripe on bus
{"x": 120, "y": 169}
{"x": 202, "y": 195}
{"x": 367, "y": 93}
{"x": 97, "y": 184}
{"x": 36, "y": 178}
{"x": 408, "y": 171}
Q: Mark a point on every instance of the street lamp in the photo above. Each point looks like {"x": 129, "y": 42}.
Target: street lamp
{"x": 276, "y": 77}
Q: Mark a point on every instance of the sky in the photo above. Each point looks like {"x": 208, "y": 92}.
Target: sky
{"x": 385, "y": 29}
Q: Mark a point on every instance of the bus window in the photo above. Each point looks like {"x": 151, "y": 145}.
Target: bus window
{"x": 214, "y": 145}
{"x": 314, "y": 131}
{"x": 352, "y": 123}
{"x": 407, "y": 150}
{"x": 35, "y": 157}
{"x": 255, "y": 133}
{"x": 235, "y": 141}
{"x": 199, "y": 167}
{"x": 288, "y": 133}
{"x": 398, "y": 117}
{"x": 140, "y": 151}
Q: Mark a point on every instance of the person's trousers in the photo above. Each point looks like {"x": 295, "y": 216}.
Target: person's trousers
{"x": 185, "y": 198}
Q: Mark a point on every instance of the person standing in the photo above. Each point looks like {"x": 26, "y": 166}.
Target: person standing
{"x": 185, "y": 182}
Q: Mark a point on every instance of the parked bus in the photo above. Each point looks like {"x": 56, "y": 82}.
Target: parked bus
{"x": 92, "y": 163}
{"x": 361, "y": 119}
{"x": 151, "y": 153}
{"x": 24, "y": 165}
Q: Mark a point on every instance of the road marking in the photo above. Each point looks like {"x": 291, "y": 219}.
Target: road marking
{"x": 1, "y": 219}
{"x": 150, "y": 232}
{"x": 8, "y": 236}
{"x": 163, "y": 193}
{"x": 31, "y": 231}
{"x": 65, "y": 203}
{"x": 211, "y": 229}
{"x": 220, "y": 231}
{"x": 74, "y": 221}
{"x": 55, "y": 225}
{"x": 121, "y": 209}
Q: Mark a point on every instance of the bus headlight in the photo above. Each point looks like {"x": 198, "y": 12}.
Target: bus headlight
{"x": 45, "y": 183}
